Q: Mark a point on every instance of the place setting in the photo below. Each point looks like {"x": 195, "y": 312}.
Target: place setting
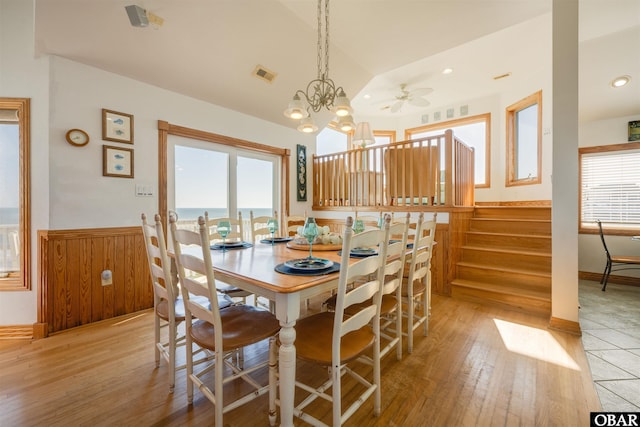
{"x": 308, "y": 266}
{"x": 223, "y": 229}
{"x": 272, "y": 225}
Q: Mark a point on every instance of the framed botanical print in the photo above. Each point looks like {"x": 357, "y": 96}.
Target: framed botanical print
{"x": 117, "y": 162}
{"x": 117, "y": 127}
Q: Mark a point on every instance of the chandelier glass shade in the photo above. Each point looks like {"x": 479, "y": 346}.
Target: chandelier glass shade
{"x": 322, "y": 91}
{"x": 363, "y": 135}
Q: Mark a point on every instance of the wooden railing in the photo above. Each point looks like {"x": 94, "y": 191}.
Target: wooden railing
{"x": 431, "y": 171}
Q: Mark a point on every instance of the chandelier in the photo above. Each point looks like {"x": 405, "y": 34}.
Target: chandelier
{"x": 321, "y": 92}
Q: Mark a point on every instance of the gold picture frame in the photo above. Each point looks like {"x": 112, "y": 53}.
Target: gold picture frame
{"x": 117, "y": 127}
{"x": 117, "y": 162}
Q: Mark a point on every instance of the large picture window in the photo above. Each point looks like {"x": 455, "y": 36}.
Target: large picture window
{"x": 610, "y": 188}
{"x": 474, "y": 131}
{"x": 524, "y": 141}
{"x": 15, "y": 270}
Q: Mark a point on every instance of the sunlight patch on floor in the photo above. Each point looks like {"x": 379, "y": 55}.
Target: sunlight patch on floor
{"x": 534, "y": 342}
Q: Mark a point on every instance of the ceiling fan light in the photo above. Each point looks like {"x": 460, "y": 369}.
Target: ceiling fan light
{"x": 342, "y": 105}
{"x": 307, "y": 125}
{"x": 346, "y": 124}
{"x": 296, "y": 109}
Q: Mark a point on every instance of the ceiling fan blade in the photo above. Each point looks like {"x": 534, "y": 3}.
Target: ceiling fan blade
{"x": 421, "y": 91}
{"x": 396, "y": 107}
{"x": 419, "y": 102}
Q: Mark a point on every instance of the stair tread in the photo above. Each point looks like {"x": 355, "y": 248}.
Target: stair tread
{"x": 529, "y": 293}
{"x": 492, "y": 233}
{"x": 511, "y": 219}
{"x": 509, "y": 270}
{"x": 506, "y": 250}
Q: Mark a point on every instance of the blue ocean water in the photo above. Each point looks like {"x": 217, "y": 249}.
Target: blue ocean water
{"x": 194, "y": 213}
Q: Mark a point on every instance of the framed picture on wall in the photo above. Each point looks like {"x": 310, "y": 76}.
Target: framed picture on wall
{"x": 301, "y": 173}
{"x": 634, "y": 131}
{"x": 117, "y": 127}
{"x": 117, "y": 162}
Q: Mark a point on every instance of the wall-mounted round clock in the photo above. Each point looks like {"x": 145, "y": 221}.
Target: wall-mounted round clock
{"x": 77, "y": 137}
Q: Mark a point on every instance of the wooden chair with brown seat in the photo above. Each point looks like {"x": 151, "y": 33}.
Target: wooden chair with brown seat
{"x": 336, "y": 340}
{"x": 416, "y": 289}
{"x": 615, "y": 262}
{"x": 391, "y": 306}
{"x": 222, "y": 332}
{"x": 167, "y": 304}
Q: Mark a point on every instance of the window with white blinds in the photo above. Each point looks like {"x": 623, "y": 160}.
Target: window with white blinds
{"x": 610, "y": 187}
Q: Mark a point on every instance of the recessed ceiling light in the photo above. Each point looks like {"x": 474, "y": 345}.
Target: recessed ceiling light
{"x": 447, "y": 70}
{"x": 367, "y": 96}
{"x": 620, "y": 81}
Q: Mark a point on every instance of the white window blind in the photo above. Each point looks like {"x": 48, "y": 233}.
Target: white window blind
{"x": 611, "y": 187}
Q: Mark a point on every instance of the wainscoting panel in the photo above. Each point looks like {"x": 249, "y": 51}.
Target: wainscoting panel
{"x": 71, "y": 263}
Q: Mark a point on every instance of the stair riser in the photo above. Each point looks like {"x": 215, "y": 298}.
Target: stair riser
{"x": 510, "y": 226}
{"x": 513, "y": 212}
{"x": 518, "y": 303}
{"x": 508, "y": 279}
{"x": 528, "y": 243}
{"x": 536, "y": 263}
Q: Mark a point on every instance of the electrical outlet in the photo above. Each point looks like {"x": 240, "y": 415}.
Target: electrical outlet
{"x": 107, "y": 278}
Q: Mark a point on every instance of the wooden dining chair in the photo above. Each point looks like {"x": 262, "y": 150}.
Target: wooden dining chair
{"x": 292, "y": 222}
{"x": 236, "y": 234}
{"x": 168, "y": 306}
{"x": 391, "y": 306}
{"x": 222, "y": 332}
{"x": 237, "y": 228}
{"x": 336, "y": 340}
{"x": 369, "y": 221}
{"x": 615, "y": 262}
{"x": 259, "y": 226}
{"x": 416, "y": 289}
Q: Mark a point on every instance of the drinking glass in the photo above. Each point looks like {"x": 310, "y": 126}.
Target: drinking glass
{"x": 358, "y": 226}
{"x": 310, "y": 232}
{"x": 224, "y": 228}
{"x": 272, "y": 225}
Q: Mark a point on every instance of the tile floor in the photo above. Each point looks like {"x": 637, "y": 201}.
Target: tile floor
{"x": 610, "y": 323}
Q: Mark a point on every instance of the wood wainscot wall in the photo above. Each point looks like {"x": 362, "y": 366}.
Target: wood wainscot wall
{"x": 70, "y": 266}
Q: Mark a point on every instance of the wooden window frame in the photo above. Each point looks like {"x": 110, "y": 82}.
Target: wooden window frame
{"x": 486, "y": 118}
{"x": 511, "y": 114}
{"x": 593, "y": 229}
{"x": 23, "y": 282}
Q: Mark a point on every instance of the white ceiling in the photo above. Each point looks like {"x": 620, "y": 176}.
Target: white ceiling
{"x": 207, "y": 49}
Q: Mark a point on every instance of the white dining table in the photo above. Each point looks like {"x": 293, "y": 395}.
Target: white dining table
{"x": 252, "y": 269}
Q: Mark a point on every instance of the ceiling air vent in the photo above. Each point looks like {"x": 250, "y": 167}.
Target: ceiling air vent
{"x": 502, "y": 76}
{"x": 264, "y": 74}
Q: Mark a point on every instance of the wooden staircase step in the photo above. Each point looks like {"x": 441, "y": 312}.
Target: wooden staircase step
{"x": 507, "y": 258}
{"x": 522, "y": 212}
{"x": 513, "y": 226}
{"x": 505, "y": 276}
{"x": 530, "y": 302}
{"x": 541, "y": 243}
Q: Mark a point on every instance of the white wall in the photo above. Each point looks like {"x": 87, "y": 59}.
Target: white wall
{"x": 67, "y": 186}
{"x": 591, "y": 255}
{"x": 23, "y": 76}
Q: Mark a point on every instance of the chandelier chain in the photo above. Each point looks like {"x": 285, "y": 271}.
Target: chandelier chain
{"x": 326, "y": 38}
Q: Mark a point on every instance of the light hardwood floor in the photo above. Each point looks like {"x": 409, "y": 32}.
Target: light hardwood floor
{"x": 479, "y": 366}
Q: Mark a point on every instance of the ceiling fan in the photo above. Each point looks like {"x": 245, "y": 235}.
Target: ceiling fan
{"x": 413, "y": 97}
